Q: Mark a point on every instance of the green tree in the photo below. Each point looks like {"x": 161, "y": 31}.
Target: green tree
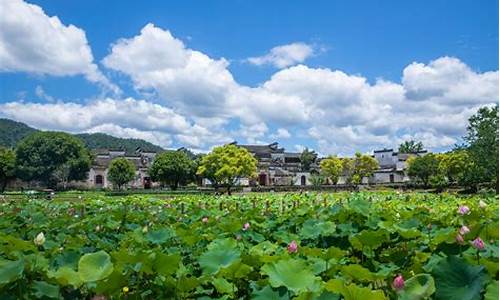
{"x": 225, "y": 164}
{"x": 317, "y": 180}
{"x": 307, "y": 158}
{"x": 172, "y": 168}
{"x": 422, "y": 168}
{"x": 482, "y": 145}
{"x": 363, "y": 166}
{"x": 454, "y": 165}
{"x": 411, "y": 146}
{"x": 121, "y": 171}
{"x": 332, "y": 167}
{"x": 42, "y": 154}
{"x": 7, "y": 167}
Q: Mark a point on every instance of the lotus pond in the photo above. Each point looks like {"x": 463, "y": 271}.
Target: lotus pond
{"x": 378, "y": 245}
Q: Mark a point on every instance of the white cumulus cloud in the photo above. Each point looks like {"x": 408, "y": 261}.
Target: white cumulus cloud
{"x": 284, "y": 56}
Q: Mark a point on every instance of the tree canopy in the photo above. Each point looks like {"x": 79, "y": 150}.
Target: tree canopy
{"x": 7, "y": 167}
{"x": 42, "y": 155}
{"x": 332, "y": 167}
{"x": 307, "y": 158}
{"x": 225, "y": 164}
{"x": 482, "y": 145}
{"x": 411, "y": 146}
{"x": 172, "y": 168}
{"x": 121, "y": 171}
{"x": 422, "y": 168}
{"x": 362, "y": 166}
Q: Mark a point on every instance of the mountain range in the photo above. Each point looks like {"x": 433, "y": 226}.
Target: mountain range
{"x": 11, "y": 132}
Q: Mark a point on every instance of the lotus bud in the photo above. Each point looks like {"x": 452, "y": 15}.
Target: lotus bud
{"x": 145, "y": 229}
{"x": 478, "y": 243}
{"x": 39, "y": 239}
{"x": 482, "y": 204}
{"x": 460, "y": 239}
{"x": 398, "y": 283}
{"x": 204, "y": 219}
{"x": 246, "y": 226}
{"x": 293, "y": 247}
{"x": 464, "y": 230}
{"x": 125, "y": 289}
{"x": 463, "y": 210}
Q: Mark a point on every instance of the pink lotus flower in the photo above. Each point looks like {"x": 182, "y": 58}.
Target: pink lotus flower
{"x": 464, "y": 230}
{"x": 463, "y": 210}
{"x": 398, "y": 283}
{"x": 246, "y": 226}
{"x": 293, "y": 247}
{"x": 204, "y": 219}
{"x": 460, "y": 239}
{"x": 478, "y": 243}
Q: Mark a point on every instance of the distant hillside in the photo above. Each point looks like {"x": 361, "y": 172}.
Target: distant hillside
{"x": 11, "y": 132}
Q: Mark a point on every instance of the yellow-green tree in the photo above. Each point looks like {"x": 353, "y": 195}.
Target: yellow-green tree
{"x": 454, "y": 165}
{"x": 332, "y": 167}
{"x": 225, "y": 164}
{"x": 363, "y": 166}
{"x": 121, "y": 171}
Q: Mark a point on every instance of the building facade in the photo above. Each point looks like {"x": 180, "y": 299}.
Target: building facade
{"x": 392, "y": 166}
{"x": 275, "y": 166}
{"x": 98, "y": 173}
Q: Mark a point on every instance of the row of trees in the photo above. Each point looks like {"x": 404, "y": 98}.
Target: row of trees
{"x": 353, "y": 169}
{"x": 473, "y": 163}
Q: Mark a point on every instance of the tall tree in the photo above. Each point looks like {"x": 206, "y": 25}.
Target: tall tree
{"x": 332, "y": 167}
{"x": 7, "y": 167}
{"x": 225, "y": 164}
{"x": 121, "y": 171}
{"x": 172, "y": 168}
{"x": 40, "y": 155}
{"x": 411, "y": 146}
{"x": 363, "y": 166}
{"x": 454, "y": 165}
{"x": 422, "y": 168}
{"x": 482, "y": 145}
{"x": 307, "y": 158}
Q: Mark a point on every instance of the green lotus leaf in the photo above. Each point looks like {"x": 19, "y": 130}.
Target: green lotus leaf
{"x": 166, "y": 264}
{"x": 223, "y": 286}
{"x": 456, "y": 279}
{"x": 312, "y": 229}
{"x": 159, "y": 236}
{"x": 418, "y": 287}
{"x": 66, "y": 276}
{"x": 492, "y": 291}
{"x": 95, "y": 266}
{"x": 10, "y": 270}
{"x": 360, "y": 206}
{"x": 221, "y": 254}
{"x": 43, "y": 289}
{"x": 369, "y": 238}
{"x": 267, "y": 293}
{"x": 352, "y": 291}
{"x": 292, "y": 274}
{"x": 357, "y": 272}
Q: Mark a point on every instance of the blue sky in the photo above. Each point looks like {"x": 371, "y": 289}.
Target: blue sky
{"x": 361, "y": 74}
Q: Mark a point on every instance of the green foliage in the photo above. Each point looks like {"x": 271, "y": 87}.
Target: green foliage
{"x": 172, "y": 168}
{"x": 307, "y": 158}
{"x": 482, "y": 145}
{"x": 227, "y": 163}
{"x": 455, "y": 165}
{"x": 317, "y": 180}
{"x": 418, "y": 287}
{"x": 121, "y": 171}
{"x": 11, "y": 132}
{"x": 423, "y": 168}
{"x": 411, "y": 146}
{"x": 332, "y": 168}
{"x": 362, "y": 166}
{"x": 350, "y": 246}
{"x": 42, "y": 155}
{"x": 7, "y": 167}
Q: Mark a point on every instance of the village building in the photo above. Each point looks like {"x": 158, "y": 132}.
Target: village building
{"x": 392, "y": 166}
{"x": 98, "y": 173}
{"x": 275, "y": 166}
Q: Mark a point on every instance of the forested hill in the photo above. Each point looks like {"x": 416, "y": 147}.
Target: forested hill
{"x": 11, "y": 132}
